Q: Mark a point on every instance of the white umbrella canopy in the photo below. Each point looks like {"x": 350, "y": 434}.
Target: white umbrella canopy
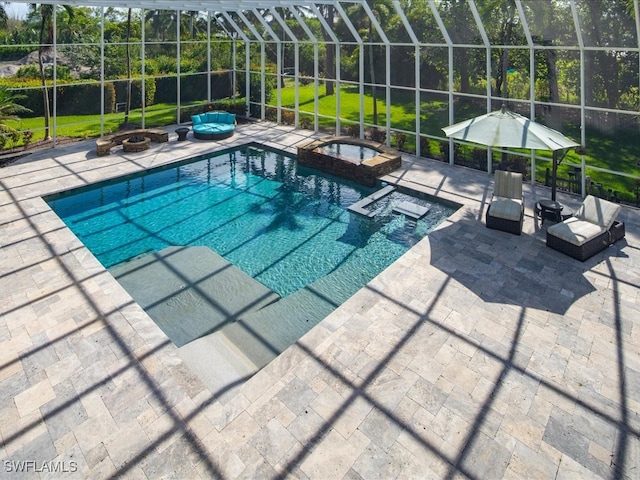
{"x": 508, "y": 129}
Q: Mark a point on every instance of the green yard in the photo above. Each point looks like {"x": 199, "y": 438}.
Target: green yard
{"x": 619, "y": 151}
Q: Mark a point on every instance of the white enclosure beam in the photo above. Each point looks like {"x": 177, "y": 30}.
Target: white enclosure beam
{"x": 296, "y": 61}
{"x": 358, "y": 39}
{"x": 260, "y": 17}
{"x": 583, "y": 139}
{"x": 316, "y": 66}
{"x": 336, "y": 42}
{"x": 447, "y": 38}
{"x": 487, "y": 49}
{"x": 416, "y": 47}
{"x": 385, "y": 40}
{"x": 532, "y": 78}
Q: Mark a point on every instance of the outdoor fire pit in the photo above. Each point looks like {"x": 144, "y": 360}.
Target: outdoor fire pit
{"x": 136, "y": 143}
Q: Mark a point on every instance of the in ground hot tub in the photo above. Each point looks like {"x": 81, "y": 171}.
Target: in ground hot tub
{"x": 362, "y": 161}
{"x": 349, "y": 152}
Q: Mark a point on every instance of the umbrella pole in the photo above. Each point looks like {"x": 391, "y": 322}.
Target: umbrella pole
{"x": 554, "y": 172}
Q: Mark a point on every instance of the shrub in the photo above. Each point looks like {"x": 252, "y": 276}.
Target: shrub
{"x": 353, "y": 130}
{"x": 515, "y": 164}
{"x": 8, "y": 139}
{"x": 255, "y": 87}
{"x": 187, "y": 112}
{"x": 378, "y": 135}
{"x": 27, "y": 137}
{"x": 444, "y": 151}
{"x": 136, "y": 92}
{"x": 306, "y": 122}
{"x": 74, "y": 98}
{"x": 33, "y": 71}
{"x": 166, "y": 91}
{"x": 9, "y": 111}
{"x": 479, "y": 156}
{"x": 425, "y": 147}
{"x": 80, "y": 99}
{"x": 288, "y": 117}
{"x": 400, "y": 140}
{"x": 271, "y": 114}
{"x": 166, "y": 64}
{"x": 28, "y": 71}
{"x": 232, "y": 106}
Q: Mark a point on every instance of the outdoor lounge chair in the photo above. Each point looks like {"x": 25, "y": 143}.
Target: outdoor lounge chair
{"x": 592, "y": 229}
{"x": 506, "y": 211}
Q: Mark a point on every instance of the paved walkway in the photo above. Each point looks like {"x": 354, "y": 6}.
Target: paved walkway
{"x": 477, "y": 354}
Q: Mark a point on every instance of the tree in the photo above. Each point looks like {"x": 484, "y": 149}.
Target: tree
{"x": 9, "y": 107}
{"x": 45, "y": 39}
{"x": 460, "y": 24}
{"x": 506, "y": 38}
{"x": 192, "y": 23}
{"x": 161, "y": 22}
{"x": 381, "y": 10}
{"x": 544, "y": 14}
{"x": 329, "y": 14}
{"x": 3, "y": 16}
{"x": 606, "y": 25}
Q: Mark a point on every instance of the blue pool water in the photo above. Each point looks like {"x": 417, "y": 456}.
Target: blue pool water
{"x": 284, "y": 225}
{"x": 347, "y": 151}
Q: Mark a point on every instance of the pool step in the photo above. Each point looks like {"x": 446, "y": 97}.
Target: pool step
{"x": 224, "y": 359}
{"x": 360, "y": 206}
{"x": 411, "y": 210}
{"x": 191, "y": 291}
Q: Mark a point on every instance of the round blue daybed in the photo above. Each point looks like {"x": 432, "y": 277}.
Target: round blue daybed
{"x": 213, "y": 125}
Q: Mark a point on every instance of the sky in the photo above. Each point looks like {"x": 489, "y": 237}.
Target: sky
{"x": 18, "y": 10}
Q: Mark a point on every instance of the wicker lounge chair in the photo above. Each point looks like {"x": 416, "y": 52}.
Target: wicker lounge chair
{"x": 506, "y": 211}
{"x": 592, "y": 229}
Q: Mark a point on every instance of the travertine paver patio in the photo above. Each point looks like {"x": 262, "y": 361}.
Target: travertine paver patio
{"x": 477, "y": 354}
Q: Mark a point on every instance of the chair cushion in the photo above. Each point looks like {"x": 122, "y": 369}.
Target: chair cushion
{"x": 598, "y": 211}
{"x": 508, "y": 184}
{"x": 575, "y": 231}
{"x": 212, "y": 117}
{"x": 506, "y": 208}
{"x": 213, "y": 128}
{"x": 196, "y": 119}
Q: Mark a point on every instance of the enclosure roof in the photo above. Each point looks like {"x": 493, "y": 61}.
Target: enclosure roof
{"x": 197, "y": 5}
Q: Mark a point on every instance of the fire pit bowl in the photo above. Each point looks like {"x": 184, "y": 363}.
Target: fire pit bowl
{"x": 136, "y": 143}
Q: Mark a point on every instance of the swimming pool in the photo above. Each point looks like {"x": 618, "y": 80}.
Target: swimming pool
{"x": 284, "y": 225}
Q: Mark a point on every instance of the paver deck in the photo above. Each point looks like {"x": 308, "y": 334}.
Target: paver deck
{"x": 478, "y": 354}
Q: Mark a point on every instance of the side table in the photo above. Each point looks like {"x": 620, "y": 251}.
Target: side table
{"x": 566, "y": 213}
{"x": 550, "y": 210}
{"x": 182, "y": 133}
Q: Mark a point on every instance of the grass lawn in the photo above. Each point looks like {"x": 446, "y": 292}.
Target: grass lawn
{"x": 618, "y": 151}
{"x": 87, "y": 126}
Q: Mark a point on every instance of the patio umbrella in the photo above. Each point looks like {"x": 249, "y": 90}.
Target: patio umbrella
{"x": 511, "y": 130}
